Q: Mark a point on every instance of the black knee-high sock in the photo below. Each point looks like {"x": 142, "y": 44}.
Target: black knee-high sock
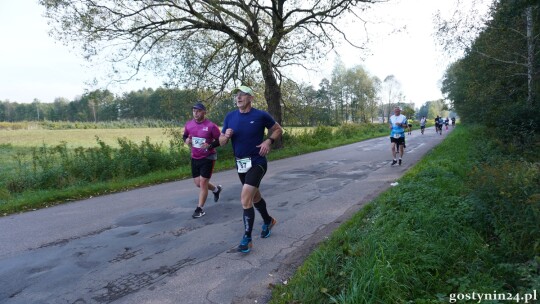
{"x": 249, "y": 219}
{"x": 261, "y": 207}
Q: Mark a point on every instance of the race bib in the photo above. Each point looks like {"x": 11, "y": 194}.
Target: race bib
{"x": 243, "y": 164}
{"x": 197, "y": 142}
{"x": 397, "y": 135}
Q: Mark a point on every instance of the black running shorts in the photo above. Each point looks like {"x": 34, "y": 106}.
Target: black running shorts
{"x": 398, "y": 141}
{"x": 254, "y": 175}
{"x": 202, "y": 167}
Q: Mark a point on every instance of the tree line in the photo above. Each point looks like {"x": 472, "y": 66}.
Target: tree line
{"x": 350, "y": 95}
{"x": 103, "y": 105}
{"x": 497, "y": 81}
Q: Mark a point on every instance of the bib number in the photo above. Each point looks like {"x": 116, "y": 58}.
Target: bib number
{"x": 243, "y": 164}
{"x": 197, "y": 142}
{"x": 397, "y": 135}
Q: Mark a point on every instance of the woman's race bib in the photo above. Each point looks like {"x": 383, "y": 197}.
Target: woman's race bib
{"x": 397, "y": 135}
{"x": 243, "y": 164}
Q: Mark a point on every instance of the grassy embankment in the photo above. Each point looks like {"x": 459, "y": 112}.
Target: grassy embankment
{"x": 41, "y": 168}
{"x": 465, "y": 219}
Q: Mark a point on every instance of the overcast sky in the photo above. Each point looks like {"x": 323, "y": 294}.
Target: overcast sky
{"x": 35, "y": 66}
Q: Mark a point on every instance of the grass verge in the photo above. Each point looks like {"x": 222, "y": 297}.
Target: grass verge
{"x": 445, "y": 231}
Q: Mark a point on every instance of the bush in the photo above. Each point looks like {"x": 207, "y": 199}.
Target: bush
{"x": 507, "y": 201}
{"x": 305, "y": 138}
{"x": 349, "y": 130}
{"x": 517, "y": 129}
{"x": 322, "y": 133}
{"x": 58, "y": 167}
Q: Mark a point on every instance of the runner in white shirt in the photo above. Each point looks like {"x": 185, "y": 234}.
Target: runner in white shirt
{"x": 398, "y": 123}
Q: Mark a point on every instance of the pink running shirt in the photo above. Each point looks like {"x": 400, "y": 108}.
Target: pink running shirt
{"x": 200, "y": 133}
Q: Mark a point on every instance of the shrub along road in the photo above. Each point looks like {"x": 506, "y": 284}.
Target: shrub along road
{"x": 142, "y": 246}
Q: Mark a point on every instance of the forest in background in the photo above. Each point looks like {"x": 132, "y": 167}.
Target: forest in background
{"x": 350, "y": 96}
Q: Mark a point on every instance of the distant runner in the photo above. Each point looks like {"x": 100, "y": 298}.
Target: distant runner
{"x": 438, "y": 124}
{"x": 422, "y": 124}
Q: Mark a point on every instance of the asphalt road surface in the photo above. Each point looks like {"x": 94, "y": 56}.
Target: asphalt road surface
{"x": 143, "y": 246}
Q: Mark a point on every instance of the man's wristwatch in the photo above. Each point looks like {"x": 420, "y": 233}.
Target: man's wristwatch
{"x": 271, "y": 140}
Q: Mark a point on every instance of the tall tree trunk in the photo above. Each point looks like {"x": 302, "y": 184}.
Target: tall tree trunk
{"x": 530, "y": 54}
{"x": 272, "y": 94}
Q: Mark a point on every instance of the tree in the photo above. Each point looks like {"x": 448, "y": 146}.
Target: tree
{"x": 508, "y": 37}
{"x": 499, "y": 74}
{"x": 408, "y": 111}
{"x": 391, "y": 93}
{"x": 373, "y": 104}
{"x": 325, "y": 98}
{"x": 176, "y": 104}
{"x": 37, "y": 103}
{"x": 214, "y": 44}
{"x": 360, "y": 89}
{"x": 134, "y": 104}
{"x": 423, "y": 111}
{"x": 437, "y": 108}
{"x": 338, "y": 91}
{"x": 102, "y": 104}
{"x": 59, "y": 109}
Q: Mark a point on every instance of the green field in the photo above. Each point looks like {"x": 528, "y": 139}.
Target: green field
{"x": 87, "y": 137}
{"x": 78, "y": 137}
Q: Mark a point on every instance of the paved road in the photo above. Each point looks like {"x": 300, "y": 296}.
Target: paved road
{"x": 142, "y": 246}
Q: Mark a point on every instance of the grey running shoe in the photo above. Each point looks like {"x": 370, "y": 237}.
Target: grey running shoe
{"x": 245, "y": 244}
{"x": 216, "y": 194}
{"x": 266, "y": 229}
{"x": 198, "y": 212}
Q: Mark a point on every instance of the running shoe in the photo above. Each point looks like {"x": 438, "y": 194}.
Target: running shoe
{"x": 400, "y": 161}
{"x": 394, "y": 162}
{"x": 267, "y": 229}
{"x": 198, "y": 212}
{"x": 245, "y": 244}
{"x": 216, "y": 194}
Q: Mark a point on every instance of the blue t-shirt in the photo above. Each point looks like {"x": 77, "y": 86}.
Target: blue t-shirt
{"x": 248, "y": 132}
{"x": 398, "y": 129}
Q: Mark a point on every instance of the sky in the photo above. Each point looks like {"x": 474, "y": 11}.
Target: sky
{"x": 36, "y": 66}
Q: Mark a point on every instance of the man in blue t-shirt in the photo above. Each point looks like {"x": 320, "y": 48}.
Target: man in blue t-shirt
{"x": 398, "y": 122}
{"x": 245, "y": 128}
